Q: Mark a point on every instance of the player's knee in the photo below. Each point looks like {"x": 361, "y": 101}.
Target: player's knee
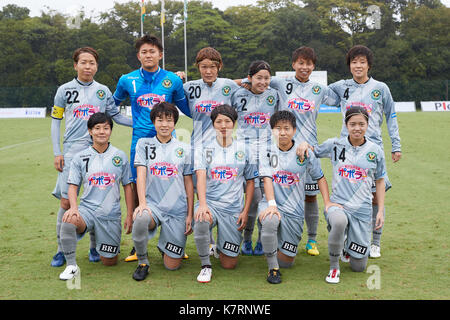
{"x": 109, "y": 261}
{"x": 310, "y": 198}
{"x": 68, "y": 218}
{"x": 270, "y": 224}
{"x": 338, "y": 221}
{"x": 65, "y": 204}
{"x": 172, "y": 264}
{"x": 201, "y": 228}
{"x": 228, "y": 262}
{"x": 358, "y": 265}
{"x": 285, "y": 261}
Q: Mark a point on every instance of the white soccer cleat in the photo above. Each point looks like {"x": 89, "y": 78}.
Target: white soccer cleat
{"x": 333, "y": 276}
{"x": 69, "y": 273}
{"x": 205, "y": 274}
{"x": 345, "y": 257}
{"x": 375, "y": 251}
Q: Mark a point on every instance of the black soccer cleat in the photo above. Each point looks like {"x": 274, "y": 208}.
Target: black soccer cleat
{"x": 141, "y": 272}
{"x": 274, "y": 276}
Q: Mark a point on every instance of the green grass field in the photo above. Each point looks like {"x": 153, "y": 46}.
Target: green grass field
{"x": 415, "y": 242}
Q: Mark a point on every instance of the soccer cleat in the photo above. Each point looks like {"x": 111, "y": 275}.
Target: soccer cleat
{"x": 333, "y": 276}
{"x": 205, "y": 274}
{"x": 258, "y": 250}
{"x": 374, "y": 251}
{"x": 311, "y": 248}
{"x": 185, "y": 256}
{"x": 132, "y": 256}
{"x": 70, "y": 272}
{"x": 141, "y": 272}
{"x": 247, "y": 249}
{"x": 274, "y": 276}
{"x": 58, "y": 260}
{"x": 345, "y": 257}
{"x": 93, "y": 255}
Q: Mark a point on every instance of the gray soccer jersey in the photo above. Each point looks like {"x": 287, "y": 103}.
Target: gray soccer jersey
{"x": 202, "y": 99}
{"x": 355, "y": 169}
{"x": 254, "y": 112}
{"x": 376, "y": 98}
{"x": 304, "y": 100}
{"x": 167, "y": 164}
{"x": 76, "y": 102}
{"x": 226, "y": 170}
{"x": 289, "y": 176}
{"x": 101, "y": 175}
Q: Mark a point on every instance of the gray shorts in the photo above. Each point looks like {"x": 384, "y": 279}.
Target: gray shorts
{"x": 108, "y": 232}
{"x": 229, "y": 238}
{"x": 387, "y": 183}
{"x": 359, "y": 234}
{"x": 62, "y": 186}
{"x": 172, "y": 240}
{"x": 289, "y": 231}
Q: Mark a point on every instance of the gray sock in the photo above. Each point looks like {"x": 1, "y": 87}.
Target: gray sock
{"x": 376, "y": 234}
{"x": 202, "y": 238}
{"x": 140, "y": 237}
{"x": 312, "y": 219}
{"x": 338, "y": 222}
{"x": 252, "y": 214}
{"x": 59, "y": 217}
{"x": 93, "y": 242}
{"x": 269, "y": 240}
{"x": 69, "y": 242}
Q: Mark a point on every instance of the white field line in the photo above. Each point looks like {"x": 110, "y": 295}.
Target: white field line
{"x": 23, "y": 143}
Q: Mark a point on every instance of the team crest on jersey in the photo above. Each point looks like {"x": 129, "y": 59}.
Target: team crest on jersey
{"x": 224, "y": 174}
{"x": 376, "y": 94}
{"x": 85, "y": 111}
{"x": 352, "y": 173}
{"x": 367, "y": 107}
{"x": 226, "y": 90}
{"x": 239, "y": 155}
{"x": 167, "y": 83}
{"x": 301, "y": 105}
{"x": 257, "y": 119}
{"x": 206, "y": 106}
{"x": 163, "y": 170}
{"x": 371, "y": 156}
{"x": 117, "y": 161}
{"x": 286, "y": 178}
{"x": 301, "y": 162}
{"x": 179, "y": 152}
{"x": 316, "y": 89}
{"x": 149, "y": 100}
{"x": 270, "y": 100}
{"x": 102, "y": 180}
{"x": 101, "y": 94}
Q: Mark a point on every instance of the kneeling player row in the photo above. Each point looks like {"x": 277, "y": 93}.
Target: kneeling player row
{"x": 224, "y": 169}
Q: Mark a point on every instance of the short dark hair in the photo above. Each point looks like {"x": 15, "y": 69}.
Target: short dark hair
{"x": 149, "y": 40}
{"x": 164, "y": 108}
{"x": 225, "y": 110}
{"x": 97, "y": 118}
{"x": 283, "y": 115}
{"x": 211, "y": 54}
{"x": 360, "y": 50}
{"x": 77, "y": 52}
{"x": 306, "y": 53}
{"x": 257, "y": 66}
{"x": 355, "y": 110}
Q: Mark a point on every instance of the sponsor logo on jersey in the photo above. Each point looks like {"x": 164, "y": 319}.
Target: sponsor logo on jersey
{"x": 85, "y": 111}
{"x": 206, "y": 106}
{"x": 231, "y": 247}
{"x": 270, "y": 100}
{"x": 375, "y": 94}
{"x": 316, "y": 89}
{"x": 108, "y": 248}
{"x": 101, "y": 94}
{"x": 163, "y": 170}
{"x": 301, "y": 105}
{"x": 286, "y": 178}
{"x": 149, "y": 100}
{"x": 352, "y": 173}
{"x": 102, "y": 180}
{"x": 257, "y": 119}
{"x": 226, "y": 91}
{"x": 371, "y": 156}
{"x": 357, "y": 248}
{"x": 289, "y": 247}
{"x": 179, "y": 152}
{"x": 117, "y": 161}
{"x": 167, "y": 83}
{"x": 367, "y": 107}
{"x": 224, "y": 174}
{"x": 174, "y": 248}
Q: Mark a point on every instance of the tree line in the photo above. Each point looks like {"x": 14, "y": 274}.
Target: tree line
{"x": 409, "y": 39}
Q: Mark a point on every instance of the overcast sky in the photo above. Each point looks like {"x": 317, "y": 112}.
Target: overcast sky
{"x": 92, "y": 8}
